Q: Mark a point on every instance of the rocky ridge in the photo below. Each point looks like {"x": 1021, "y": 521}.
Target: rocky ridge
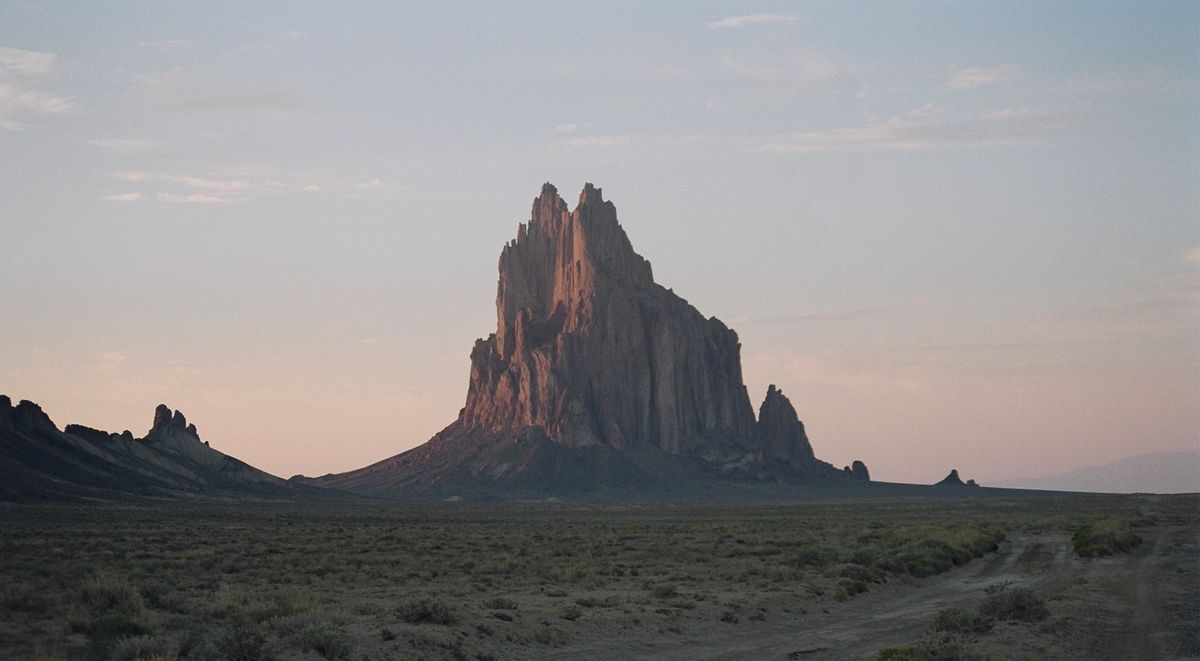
{"x": 38, "y": 461}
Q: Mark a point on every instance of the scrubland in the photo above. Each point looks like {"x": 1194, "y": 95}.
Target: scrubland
{"x": 938, "y": 579}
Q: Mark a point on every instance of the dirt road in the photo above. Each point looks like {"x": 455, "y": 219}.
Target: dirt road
{"x": 1141, "y": 605}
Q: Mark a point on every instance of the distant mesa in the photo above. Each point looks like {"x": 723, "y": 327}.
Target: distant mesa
{"x": 953, "y": 480}
{"x": 598, "y": 378}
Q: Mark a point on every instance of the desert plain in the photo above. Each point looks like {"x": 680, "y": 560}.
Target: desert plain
{"x": 1068, "y": 576}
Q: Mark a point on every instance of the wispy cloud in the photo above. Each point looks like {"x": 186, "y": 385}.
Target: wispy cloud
{"x": 973, "y": 77}
{"x": 13, "y": 97}
{"x": 748, "y": 20}
{"x": 202, "y": 183}
{"x": 123, "y": 197}
{"x": 250, "y": 181}
{"x": 572, "y": 127}
{"x": 1002, "y": 127}
{"x": 21, "y": 93}
{"x": 196, "y": 198}
{"x": 17, "y": 62}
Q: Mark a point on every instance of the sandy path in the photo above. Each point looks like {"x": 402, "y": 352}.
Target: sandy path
{"x": 1114, "y": 608}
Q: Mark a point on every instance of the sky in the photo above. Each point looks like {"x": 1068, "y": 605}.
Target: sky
{"x": 957, "y": 235}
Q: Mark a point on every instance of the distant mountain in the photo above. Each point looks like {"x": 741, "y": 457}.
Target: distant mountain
{"x": 40, "y": 462}
{"x": 598, "y": 379}
{"x": 1159, "y": 472}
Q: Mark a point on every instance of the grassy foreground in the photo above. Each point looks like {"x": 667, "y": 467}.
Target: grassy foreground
{"x": 459, "y": 581}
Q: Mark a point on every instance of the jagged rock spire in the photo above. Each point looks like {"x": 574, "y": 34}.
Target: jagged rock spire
{"x": 590, "y": 350}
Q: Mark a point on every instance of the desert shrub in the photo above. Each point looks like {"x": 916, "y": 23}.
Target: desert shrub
{"x": 958, "y": 620}
{"x": 548, "y": 635}
{"x": 105, "y": 592}
{"x": 195, "y": 645}
{"x": 1104, "y": 538}
{"x": 500, "y": 603}
{"x": 664, "y": 591}
{"x": 137, "y": 648}
{"x": 813, "y": 556}
{"x": 865, "y": 556}
{"x": 112, "y": 627}
{"x": 857, "y": 572}
{"x": 1008, "y": 603}
{"x": 425, "y": 610}
{"x": 327, "y": 641}
{"x": 242, "y": 641}
{"x": 851, "y": 588}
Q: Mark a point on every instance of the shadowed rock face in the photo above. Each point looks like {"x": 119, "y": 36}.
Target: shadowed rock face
{"x": 597, "y": 376}
{"x": 781, "y": 431}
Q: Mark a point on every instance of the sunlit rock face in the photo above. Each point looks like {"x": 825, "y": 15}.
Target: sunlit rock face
{"x": 591, "y": 351}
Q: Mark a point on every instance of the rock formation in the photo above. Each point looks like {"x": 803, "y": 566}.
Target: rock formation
{"x": 598, "y": 373}
{"x": 858, "y": 470}
{"x": 953, "y": 480}
{"x": 590, "y": 351}
{"x": 37, "y": 462}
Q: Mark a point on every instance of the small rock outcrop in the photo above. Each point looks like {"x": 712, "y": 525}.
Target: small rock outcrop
{"x": 168, "y": 423}
{"x": 858, "y": 470}
{"x": 953, "y": 480}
